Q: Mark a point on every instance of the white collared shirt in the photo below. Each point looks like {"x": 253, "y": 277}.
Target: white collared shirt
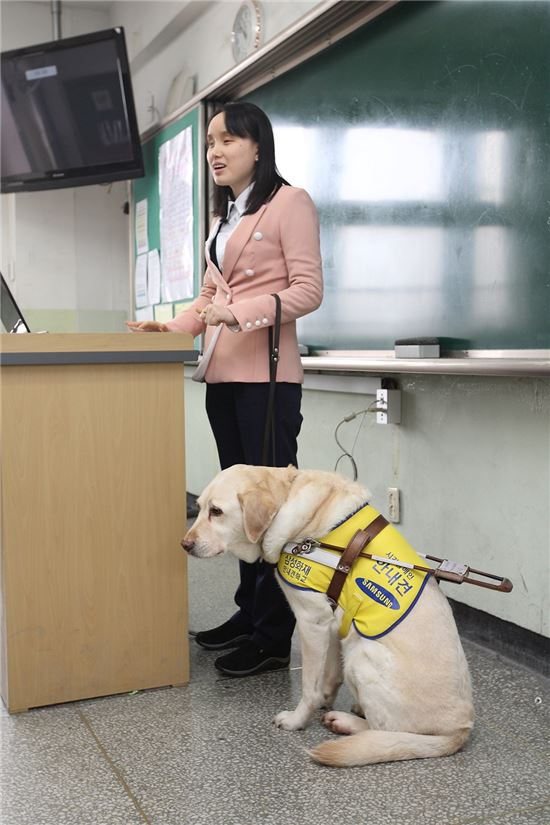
{"x": 235, "y": 210}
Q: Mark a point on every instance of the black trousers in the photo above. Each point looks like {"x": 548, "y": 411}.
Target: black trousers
{"x": 237, "y": 413}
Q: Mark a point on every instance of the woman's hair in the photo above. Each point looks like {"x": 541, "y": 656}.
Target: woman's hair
{"x": 248, "y": 120}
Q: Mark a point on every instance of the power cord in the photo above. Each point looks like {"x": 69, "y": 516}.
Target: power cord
{"x": 345, "y": 454}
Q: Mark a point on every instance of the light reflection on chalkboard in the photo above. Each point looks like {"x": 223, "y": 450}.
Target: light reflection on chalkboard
{"x": 493, "y": 252}
{"x": 373, "y": 165}
{"x": 407, "y": 215}
{"x": 390, "y": 257}
{"x": 380, "y": 164}
{"x": 296, "y": 154}
{"x": 405, "y": 262}
{"x": 491, "y": 160}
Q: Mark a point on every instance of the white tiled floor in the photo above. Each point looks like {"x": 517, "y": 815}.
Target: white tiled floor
{"x": 207, "y": 754}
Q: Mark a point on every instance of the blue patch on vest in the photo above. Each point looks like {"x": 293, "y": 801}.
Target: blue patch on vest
{"x": 377, "y": 593}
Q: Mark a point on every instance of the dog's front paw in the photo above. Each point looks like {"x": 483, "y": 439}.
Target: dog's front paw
{"x": 289, "y": 720}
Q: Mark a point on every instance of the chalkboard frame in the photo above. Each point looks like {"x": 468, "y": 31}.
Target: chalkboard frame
{"x": 274, "y": 97}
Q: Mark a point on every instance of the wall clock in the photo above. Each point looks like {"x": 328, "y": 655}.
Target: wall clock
{"x": 247, "y": 31}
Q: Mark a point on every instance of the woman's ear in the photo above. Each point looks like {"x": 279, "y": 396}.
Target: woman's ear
{"x": 259, "y": 509}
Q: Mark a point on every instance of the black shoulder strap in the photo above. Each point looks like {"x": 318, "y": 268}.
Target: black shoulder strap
{"x": 269, "y": 432}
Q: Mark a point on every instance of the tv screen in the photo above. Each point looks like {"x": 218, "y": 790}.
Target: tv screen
{"x": 68, "y": 115}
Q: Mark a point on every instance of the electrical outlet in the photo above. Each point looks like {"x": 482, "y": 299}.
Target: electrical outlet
{"x": 388, "y": 403}
{"x": 394, "y": 509}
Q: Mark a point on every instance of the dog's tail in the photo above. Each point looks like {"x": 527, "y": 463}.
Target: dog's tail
{"x": 370, "y": 746}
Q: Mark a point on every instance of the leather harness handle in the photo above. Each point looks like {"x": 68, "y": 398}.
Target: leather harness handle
{"x": 446, "y": 571}
{"x": 358, "y": 542}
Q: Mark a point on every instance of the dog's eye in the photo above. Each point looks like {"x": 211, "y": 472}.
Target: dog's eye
{"x": 215, "y": 511}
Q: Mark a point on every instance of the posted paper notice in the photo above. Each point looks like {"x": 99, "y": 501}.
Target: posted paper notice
{"x": 140, "y": 281}
{"x": 176, "y": 216}
{"x": 142, "y": 237}
{"x": 153, "y": 276}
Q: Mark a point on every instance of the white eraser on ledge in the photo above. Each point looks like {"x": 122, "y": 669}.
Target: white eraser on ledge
{"x": 417, "y": 348}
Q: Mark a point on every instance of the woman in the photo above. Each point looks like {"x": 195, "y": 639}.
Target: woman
{"x": 265, "y": 241}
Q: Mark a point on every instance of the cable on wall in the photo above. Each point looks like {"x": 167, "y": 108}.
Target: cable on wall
{"x": 372, "y": 408}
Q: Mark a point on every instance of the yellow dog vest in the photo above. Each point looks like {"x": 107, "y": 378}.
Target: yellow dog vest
{"x": 376, "y": 595}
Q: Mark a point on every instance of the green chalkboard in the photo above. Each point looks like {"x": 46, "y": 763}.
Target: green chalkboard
{"x": 148, "y": 186}
{"x": 424, "y": 140}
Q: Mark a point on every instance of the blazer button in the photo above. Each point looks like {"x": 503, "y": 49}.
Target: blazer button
{"x": 249, "y": 272}
{"x": 258, "y": 236}
{"x": 258, "y": 323}
{"x": 248, "y": 324}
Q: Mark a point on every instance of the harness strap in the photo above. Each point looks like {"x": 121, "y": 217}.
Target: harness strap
{"x": 358, "y": 542}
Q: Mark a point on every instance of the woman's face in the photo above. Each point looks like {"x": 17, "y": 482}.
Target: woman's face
{"x": 231, "y": 159}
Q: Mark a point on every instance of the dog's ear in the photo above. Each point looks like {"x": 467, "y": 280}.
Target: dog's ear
{"x": 259, "y": 509}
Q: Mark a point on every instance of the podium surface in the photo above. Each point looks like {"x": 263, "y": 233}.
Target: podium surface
{"x": 93, "y": 579}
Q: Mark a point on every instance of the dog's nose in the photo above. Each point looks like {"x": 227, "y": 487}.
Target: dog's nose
{"x": 187, "y": 544}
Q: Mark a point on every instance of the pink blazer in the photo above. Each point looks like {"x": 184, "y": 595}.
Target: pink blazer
{"x": 274, "y": 250}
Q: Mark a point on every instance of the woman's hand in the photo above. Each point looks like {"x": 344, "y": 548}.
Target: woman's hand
{"x": 146, "y": 326}
{"x": 213, "y": 315}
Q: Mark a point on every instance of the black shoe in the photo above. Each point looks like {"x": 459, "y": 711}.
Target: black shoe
{"x": 249, "y": 659}
{"x": 229, "y": 634}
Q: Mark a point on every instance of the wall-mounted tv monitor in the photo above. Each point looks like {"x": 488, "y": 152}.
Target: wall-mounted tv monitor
{"x": 68, "y": 115}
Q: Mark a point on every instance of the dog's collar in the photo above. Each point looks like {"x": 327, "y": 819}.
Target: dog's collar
{"x": 353, "y": 522}
{"x": 347, "y": 518}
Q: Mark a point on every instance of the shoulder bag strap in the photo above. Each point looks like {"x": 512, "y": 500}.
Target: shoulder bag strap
{"x": 269, "y": 432}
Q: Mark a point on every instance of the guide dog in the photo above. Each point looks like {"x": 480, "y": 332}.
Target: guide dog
{"x": 411, "y": 685}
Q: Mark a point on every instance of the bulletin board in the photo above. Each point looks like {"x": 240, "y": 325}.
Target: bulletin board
{"x": 165, "y": 161}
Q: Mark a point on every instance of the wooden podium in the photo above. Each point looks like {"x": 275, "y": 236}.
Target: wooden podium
{"x": 93, "y": 579}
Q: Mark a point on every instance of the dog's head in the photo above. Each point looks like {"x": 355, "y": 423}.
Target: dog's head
{"x": 252, "y": 511}
{"x": 236, "y": 509}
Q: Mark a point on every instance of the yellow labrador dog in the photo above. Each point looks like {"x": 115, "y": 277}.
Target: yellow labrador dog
{"x": 411, "y": 685}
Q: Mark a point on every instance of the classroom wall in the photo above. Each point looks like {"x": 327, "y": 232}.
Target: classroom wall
{"x": 472, "y": 454}
{"x": 66, "y": 253}
{"x": 471, "y": 459}
{"x": 194, "y": 38}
